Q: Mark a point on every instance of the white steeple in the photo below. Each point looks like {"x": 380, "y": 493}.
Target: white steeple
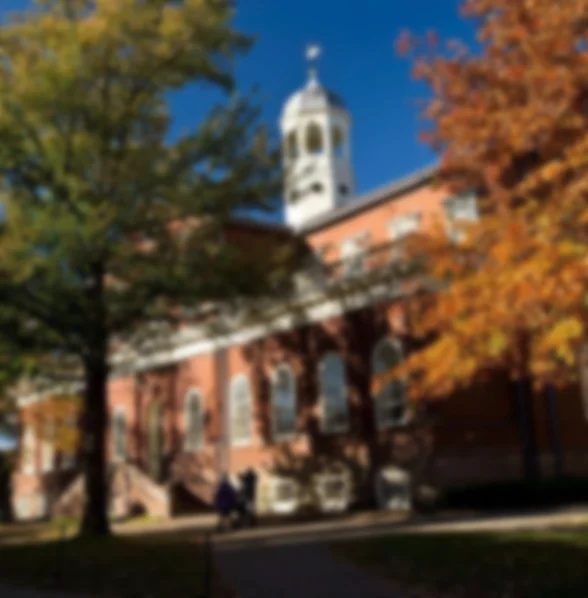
{"x": 316, "y": 127}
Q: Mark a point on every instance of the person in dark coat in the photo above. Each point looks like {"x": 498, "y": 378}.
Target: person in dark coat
{"x": 225, "y": 501}
{"x": 249, "y": 493}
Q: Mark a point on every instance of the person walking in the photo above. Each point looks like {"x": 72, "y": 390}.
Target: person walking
{"x": 249, "y": 494}
{"x": 225, "y": 502}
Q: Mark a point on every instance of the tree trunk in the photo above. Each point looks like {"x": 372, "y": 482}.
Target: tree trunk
{"x": 95, "y": 520}
{"x": 554, "y": 432}
{"x": 5, "y": 490}
{"x": 526, "y": 421}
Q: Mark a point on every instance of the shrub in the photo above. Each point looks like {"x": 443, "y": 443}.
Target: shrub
{"x": 516, "y": 494}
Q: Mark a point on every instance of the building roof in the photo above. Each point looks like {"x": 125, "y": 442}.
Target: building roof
{"x": 372, "y": 199}
{"x": 352, "y": 208}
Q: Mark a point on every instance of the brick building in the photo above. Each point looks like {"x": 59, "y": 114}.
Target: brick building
{"x": 291, "y": 395}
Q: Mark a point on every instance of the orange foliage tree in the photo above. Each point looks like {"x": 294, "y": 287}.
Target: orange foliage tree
{"x": 510, "y": 121}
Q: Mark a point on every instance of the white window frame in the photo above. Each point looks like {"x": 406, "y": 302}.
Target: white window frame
{"x": 400, "y": 228}
{"x": 354, "y": 254}
{"x": 326, "y": 402}
{"x": 281, "y": 436}
{"x": 280, "y": 505}
{"x": 119, "y": 413}
{"x": 333, "y": 503}
{"x": 388, "y": 423}
{"x": 191, "y": 444}
{"x": 234, "y": 396}
{"x": 459, "y": 209}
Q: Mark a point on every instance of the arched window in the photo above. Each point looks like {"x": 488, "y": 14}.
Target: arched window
{"x": 284, "y": 401}
{"x": 119, "y": 434}
{"x": 314, "y": 139}
{"x": 292, "y": 145}
{"x": 193, "y": 421}
{"x": 338, "y": 140}
{"x": 391, "y": 401}
{"x": 240, "y": 410}
{"x": 333, "y": 394}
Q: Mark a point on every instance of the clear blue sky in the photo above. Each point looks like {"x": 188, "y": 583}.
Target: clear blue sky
{"x": 358, "y": 62}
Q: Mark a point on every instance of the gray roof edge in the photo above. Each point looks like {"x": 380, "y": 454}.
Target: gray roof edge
{"x": 372, "y": 198}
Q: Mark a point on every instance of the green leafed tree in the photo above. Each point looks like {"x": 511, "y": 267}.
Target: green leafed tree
{"x": 109, "y": 222}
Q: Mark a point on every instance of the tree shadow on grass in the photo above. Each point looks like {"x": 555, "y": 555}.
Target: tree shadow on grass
{"x": 158, "y": 565}
{"x": 545, "y": 564}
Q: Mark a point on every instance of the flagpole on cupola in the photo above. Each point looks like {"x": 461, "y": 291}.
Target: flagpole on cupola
{"x": 313, "y": 52}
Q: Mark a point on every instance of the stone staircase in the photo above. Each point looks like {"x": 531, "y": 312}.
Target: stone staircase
{"x": 192, "y": 485}
{"x": 131, "y": 492}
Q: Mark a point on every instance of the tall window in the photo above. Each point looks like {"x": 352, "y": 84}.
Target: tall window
{"x": 193, "y": 421}
{"x": 284, "y": 402}
{"x": 391, "y": 402}
{"x": 119, "y": 435}
{"x": 240, "y": 411}
{"x": 29, "y": 450}
{"x": 333, "y": 394}
{"x": 314, "y": 139}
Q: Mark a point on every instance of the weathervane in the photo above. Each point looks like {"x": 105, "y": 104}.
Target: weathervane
{"x": 313, "y": 51}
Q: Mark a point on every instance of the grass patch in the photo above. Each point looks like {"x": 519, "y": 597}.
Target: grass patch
{"x": 484, "y": 565}
{"x": 154, "y": 566}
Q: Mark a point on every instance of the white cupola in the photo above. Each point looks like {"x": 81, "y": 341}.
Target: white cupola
{"x": 315, "y": 127}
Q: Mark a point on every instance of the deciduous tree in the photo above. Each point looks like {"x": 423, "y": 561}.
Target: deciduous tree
{"x": 510, "y": 121}
{"x": 110, "y": 221}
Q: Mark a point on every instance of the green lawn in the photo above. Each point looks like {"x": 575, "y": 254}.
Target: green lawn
{"x": 485, "y": 565}
{"x": 147, "y": 566}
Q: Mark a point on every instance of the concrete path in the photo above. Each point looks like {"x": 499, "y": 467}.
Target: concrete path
{"x": 308, "y": 571}
{"x": 368, "y": 526}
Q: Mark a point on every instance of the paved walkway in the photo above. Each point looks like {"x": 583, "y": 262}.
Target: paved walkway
{"x": 294, "y": 562}
{"x": 308, "y": 571}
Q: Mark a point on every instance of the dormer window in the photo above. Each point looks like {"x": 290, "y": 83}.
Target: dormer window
{"x": 344, "y": 190}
